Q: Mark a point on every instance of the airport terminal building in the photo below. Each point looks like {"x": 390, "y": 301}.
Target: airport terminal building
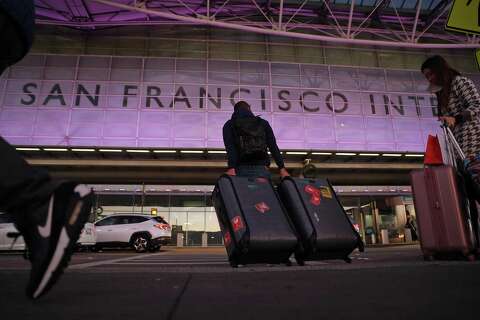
{"x": 131, "y": 99}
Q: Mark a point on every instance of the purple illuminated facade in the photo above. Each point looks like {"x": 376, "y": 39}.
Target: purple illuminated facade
{"x": 183, "y": 103}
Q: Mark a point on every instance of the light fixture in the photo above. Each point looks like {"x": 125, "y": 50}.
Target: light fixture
{"x": 414, "y": 155}
{"x": 191, "y": 151}
{"x": 369, "y": 154}
{"x": 110, "y": 150}
{"x": 137, "y": 151}
{"x": 345, "y": 154}
{"x": 121, "y": 189}
{"x": 27, "y": 149}
{"x": 322, "y": 153}
{"x": 297, "y": 152}
{"x": 83, "y": 150}
{"x": 391, "y": 155}
{"x": 164, "y": 151}
{"x": 217, "y": 151}
{"x": 55, "y": 149}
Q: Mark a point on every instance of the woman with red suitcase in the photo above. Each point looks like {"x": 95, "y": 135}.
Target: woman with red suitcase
{"x": 459, "y": 107}
{"x": 446, "y": 220}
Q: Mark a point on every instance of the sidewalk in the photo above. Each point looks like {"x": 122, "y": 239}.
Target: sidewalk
{"x": 384, "y": 283}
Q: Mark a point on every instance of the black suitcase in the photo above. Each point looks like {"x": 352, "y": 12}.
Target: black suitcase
{"x": 324, "y": 228}
{"x": 254, "y": 224}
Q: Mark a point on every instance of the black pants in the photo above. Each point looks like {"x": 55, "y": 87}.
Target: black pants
{"x": 21, "y": 184}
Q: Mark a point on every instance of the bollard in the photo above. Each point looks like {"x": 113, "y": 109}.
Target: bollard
{"x": 385, "y": 239}
{"x": 179, "y": 239}
{"x": 204, "y": 239}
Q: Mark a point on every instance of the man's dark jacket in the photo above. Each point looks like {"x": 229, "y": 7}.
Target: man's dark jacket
{"x": 230, "y": 145}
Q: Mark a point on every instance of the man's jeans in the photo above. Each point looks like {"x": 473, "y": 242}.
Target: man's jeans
{"x": 252, "y": 171}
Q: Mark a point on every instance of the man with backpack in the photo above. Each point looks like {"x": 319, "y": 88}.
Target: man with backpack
{"x": 248, "y": 138}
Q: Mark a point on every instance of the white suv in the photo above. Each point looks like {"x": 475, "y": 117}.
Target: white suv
{"x": 86, "y": 239}
{"x": 141, "y": 232}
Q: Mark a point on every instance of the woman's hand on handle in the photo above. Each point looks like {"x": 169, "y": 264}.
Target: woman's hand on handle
{"x": 449, "y": 121}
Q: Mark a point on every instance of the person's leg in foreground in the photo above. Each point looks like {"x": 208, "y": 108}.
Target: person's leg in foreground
{"x": 48, "y": 214}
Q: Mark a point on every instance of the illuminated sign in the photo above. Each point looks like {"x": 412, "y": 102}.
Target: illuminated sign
{"x": 183, "y": 103}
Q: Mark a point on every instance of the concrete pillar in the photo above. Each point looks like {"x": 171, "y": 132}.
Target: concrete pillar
{"x": 385, "y": 239}
{"x": 204, "y": 239}
{"x": 180, "y": 239}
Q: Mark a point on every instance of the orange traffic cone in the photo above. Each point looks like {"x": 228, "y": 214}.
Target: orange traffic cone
{"x": 433, "y": 153}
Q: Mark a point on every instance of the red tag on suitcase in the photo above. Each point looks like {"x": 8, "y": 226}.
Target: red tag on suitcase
{"x": 315, "y": 200}
{"x": 262, "y": 207}
{"x": 315, "y": 194}
{"x": 227, "y": 238}
{"x": 237, "y": 223}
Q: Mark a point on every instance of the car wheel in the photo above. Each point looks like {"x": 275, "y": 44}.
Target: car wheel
{"x": 140, "y": 243}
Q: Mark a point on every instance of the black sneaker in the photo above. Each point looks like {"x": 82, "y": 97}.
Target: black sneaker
{"x": 51, "y": 231}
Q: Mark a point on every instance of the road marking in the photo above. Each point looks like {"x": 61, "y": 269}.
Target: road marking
{"x": 128, "y": 263}
{"x": 111, "y": 261}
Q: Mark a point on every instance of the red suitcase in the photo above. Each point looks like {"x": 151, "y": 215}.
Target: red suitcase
{"x": 442, "y": 216}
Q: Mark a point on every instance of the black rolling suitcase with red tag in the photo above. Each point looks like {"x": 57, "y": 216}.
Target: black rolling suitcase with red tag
{"x": 254, "y": 224}
{"x": 324, "y": 228}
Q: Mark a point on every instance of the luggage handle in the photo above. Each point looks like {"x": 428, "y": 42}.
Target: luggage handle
{"x": 452, "y": 146}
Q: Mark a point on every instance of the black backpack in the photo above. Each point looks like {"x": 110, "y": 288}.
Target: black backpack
{"x": 251, "y": 139}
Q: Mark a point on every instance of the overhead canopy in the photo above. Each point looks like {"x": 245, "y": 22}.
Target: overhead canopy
{"x": 392, "y": 23}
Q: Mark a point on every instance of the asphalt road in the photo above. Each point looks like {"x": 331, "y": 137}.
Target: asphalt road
{"x": 383, "y": 283}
